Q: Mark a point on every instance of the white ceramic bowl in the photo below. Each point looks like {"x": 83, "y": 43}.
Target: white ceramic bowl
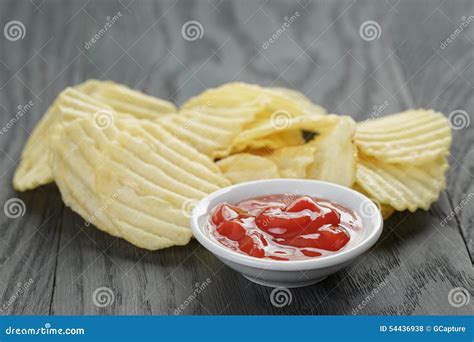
{"x": 291, "y": 273}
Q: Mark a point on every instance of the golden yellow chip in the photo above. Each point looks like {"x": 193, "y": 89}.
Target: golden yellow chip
{"x": 230, "y": 95}
{"x": 412, "y": 137}
{"x": 105, "y": 100}
{"x": 74, "y": 177}
{"x": 33, "y": 169}
{"x": 127, "y": 185}
{"x": 91, "y": 86}
{"x": 308, "y": 106}
{"x": 274, "y": 129}
{"x": 234, "y": 95}
{"x": 274, "y": 141}
{"x": 198, "y": 122}
{"x": 402, "y": 186}
{"x": 210, "y": 131}
{"x": 335, "y": 156}
{"x": 385, "y": 209}
{"x": 175, "y": 153}
{"x": 128, "y": 101}
{"x": 292, "y": 162}
{"x": 244, "y": 167}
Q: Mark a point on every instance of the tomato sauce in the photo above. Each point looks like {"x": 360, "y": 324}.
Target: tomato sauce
{"x": 284, "y": 227}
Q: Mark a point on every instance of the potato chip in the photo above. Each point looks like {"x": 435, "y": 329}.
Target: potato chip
{"x": 335, "y": 156}
{"x": 287, "y": 162}
{"x": 128, "y": 101}
{"x": 126, "y": 185}
{"x": 91, "y": 86}
{"x": 413, "y": 137}
{"x": 273, "y": 131}
{"x": 262, "y": 107}
{"x": 385, "y": 209}
{"x": 209, "y": 131}
{"x": 176, "y": 152}
{"x": 308, "y": 106}
{"x": 274, "y": 141}
{"x": 234, "y": 95}
{"x": 292, "y": 162}
{"x": 244, "y": 167}
{"x": 230, "y": 95}
{"x": 33, "y": 169}
{"x": 402, "y": 186}
{"x": 103, "y": 99}
{"x": 75, "y": 179}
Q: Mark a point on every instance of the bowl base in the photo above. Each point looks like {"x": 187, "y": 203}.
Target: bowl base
{"x": 288, "y": 285}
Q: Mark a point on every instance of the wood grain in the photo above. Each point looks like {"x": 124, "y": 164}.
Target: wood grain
{"x": 415, "y": 264}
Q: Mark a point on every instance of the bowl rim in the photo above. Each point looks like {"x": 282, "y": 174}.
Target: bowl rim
{"x": 287, "y": 265}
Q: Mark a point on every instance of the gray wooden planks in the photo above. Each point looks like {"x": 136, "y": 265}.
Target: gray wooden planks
{"x": 415, "y": 264}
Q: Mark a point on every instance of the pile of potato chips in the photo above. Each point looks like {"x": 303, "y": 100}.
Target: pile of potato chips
{"x": 134, "y": 165}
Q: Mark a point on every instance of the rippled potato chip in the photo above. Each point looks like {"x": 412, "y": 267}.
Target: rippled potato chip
{"x": 286, "y": 138}
{"x": 412, "y": 137}
{"x": 234, "y": 95}
{"x": 308, "y": 106}
{"x": 251, "y": 107}
{"x": 33, "y": 169}
{"x": 292, "y": 162}
{"x": 244, "y": 167}
{"x": 385, "y": 209}
{"x": 104, "y": 99}
{"x": 174, "y": 151}
{"x": 129, "y": 101}
{"x": 127, "y": 185}
{"x": 210, "y": 131}
{"x": 249, "y": 139}
{"x": 335, "y": 157}
{"x": 402, "y": 186}
{"x": 331, "y": 156}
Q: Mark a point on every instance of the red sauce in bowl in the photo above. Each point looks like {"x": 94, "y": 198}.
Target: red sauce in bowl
{"x": 284, "y": 227}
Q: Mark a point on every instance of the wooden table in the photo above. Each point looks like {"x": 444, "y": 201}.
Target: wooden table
{"x": 323, "y": 51}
